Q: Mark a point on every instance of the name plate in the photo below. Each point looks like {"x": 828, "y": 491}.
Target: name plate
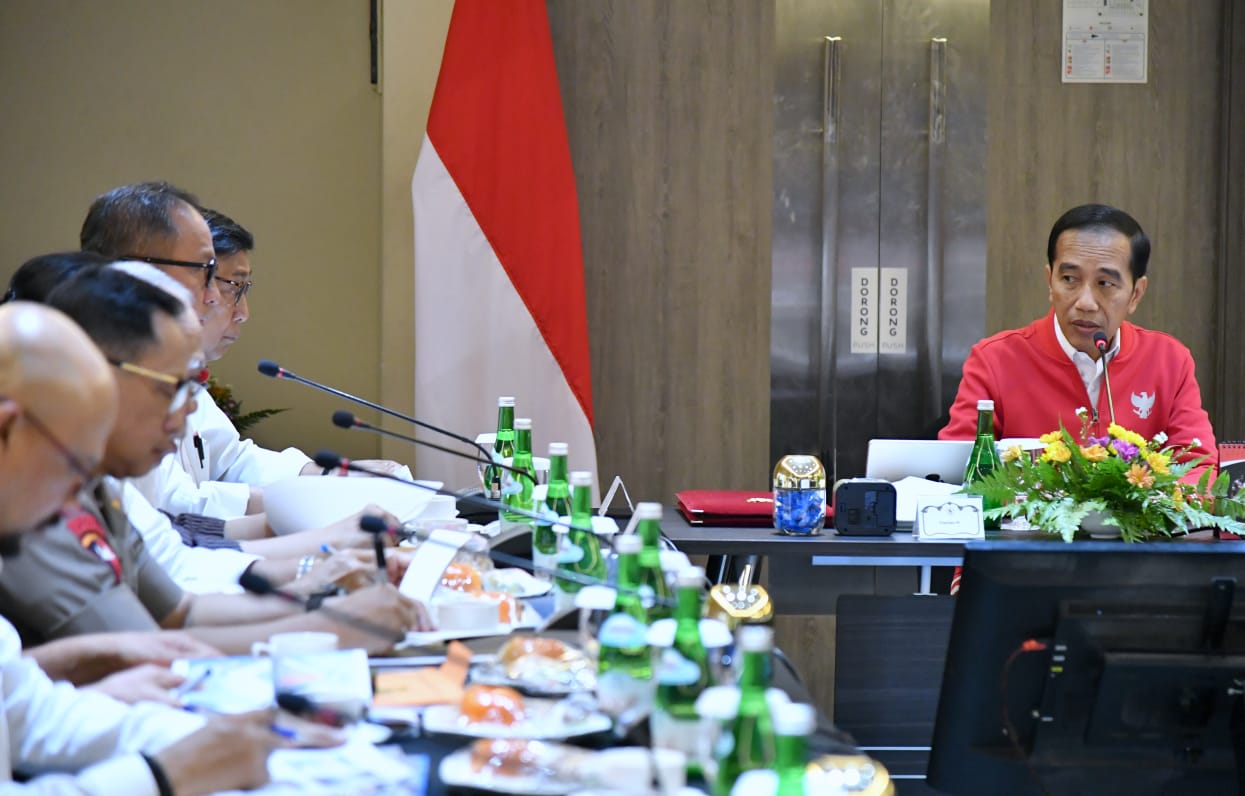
{"x": 948, "y": 518}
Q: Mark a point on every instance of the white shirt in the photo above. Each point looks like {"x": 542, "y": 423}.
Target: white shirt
{"x": 200, "y": 570}
{"x": 218, "y": 484}
{"x": 1089, "y": 368}
{"x": 53, "y": 727}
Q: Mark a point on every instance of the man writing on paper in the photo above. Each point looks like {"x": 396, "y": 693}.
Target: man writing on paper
{"x": 1039, "y": 375}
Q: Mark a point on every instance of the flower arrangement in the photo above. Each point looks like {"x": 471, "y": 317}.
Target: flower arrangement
{"x": 1134, "y": 483}
{"x": 222, "y": 394}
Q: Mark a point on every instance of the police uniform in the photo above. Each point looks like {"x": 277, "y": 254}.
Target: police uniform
{"x": 86, "y": 572}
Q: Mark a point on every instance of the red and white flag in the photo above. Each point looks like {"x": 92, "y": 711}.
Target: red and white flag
{"x": 499, "y": 276}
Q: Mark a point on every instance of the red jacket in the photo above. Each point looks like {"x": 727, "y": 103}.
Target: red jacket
{"x": 1036, "y": 387}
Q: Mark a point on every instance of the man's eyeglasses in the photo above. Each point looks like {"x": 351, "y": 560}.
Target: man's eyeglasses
{"x": 235, "y": 290}
{"x": 182, "y": 388}
{"x": 209, "y": 266}
{"x": 79, "y": 467}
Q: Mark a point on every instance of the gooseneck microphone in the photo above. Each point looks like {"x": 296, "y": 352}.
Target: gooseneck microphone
{"x": 270, "y": 368}
{"x": 261, "y": 586}
{"x": 1100, "y": 342}
{"x": 347, "y": 420}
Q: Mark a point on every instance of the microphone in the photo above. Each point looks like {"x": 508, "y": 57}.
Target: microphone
{"x": 1100, "y": 342}
{"x": 372, "y": 524}
{"x": 344, "y": 419}
{"x": 261, "y": 586}
{"x": 272, "y": 369}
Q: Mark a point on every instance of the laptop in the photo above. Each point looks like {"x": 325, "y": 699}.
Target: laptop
{"x": 934, "y": 459}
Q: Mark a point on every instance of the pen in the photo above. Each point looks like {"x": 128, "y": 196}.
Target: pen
{"x": 192, "y": 683}
{"x": 199, "y": 447}
{"x": 328, "y": 549}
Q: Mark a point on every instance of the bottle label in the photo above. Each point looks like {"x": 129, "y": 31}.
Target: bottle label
{"x": 648, "y": 596}
{"x": 570, "y": 553}
{"x": 674, "y": 669}
{"x": 622, "y": 631}
{"x": 688, "y": 736}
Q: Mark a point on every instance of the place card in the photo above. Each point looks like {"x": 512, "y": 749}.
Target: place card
{"x": 948, "y": 518}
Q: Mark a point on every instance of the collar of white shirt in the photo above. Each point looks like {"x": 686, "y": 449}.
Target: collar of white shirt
{"x": 1089, "y": 368}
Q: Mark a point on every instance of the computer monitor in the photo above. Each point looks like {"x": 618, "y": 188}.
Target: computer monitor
{"x": 1093, "y": 668}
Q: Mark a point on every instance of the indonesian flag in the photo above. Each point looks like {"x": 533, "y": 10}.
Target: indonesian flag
{"x": 499, "y": 276}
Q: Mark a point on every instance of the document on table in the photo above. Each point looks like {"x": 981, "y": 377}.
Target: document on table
{"x": 356, "y": 767}
{"x": 907, "y": 490}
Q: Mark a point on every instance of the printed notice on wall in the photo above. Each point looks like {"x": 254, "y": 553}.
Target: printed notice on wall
{"x": 1105, "y": 41}
{"x": 864, "y": 310}
{"x": 893, "y": 311}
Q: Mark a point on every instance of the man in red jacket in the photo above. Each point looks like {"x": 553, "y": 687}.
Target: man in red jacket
{"x": 1038, "y": 376}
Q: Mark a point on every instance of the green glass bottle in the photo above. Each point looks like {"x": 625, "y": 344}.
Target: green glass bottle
{"x": 793, "y": 724}
{"x": 503, "y": 445}
{"x": 581, "y": 550}
{"x": 682, "y": 673}
{"x": 750, "y": 743}
{"x": 522, "y": 483}
{"x": 984, "y": 458}
{"x": 624, "y": 648}
{"x": 654, "y": 589}
{"x": 558, "y": 502}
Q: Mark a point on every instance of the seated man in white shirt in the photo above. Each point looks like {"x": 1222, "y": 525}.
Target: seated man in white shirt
{"x": 70, "y": 741}
{"x": 213, "y": 471}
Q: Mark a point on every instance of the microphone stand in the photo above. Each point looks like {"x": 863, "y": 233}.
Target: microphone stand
{"x": 272, "y": 369}
{"x": 346, "y": 420}
{"x": 1100, "y": 342}
{"x": 376, "y": 525}
{"x": 261, "y": 586}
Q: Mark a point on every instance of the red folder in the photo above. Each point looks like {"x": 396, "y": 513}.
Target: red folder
{"x": 727, "y": 507}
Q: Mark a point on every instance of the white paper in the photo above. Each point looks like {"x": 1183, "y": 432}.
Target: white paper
{"x": 1105, "y": 41}
{"x": 429, "y": 562}
{"x": 907, "y": 490}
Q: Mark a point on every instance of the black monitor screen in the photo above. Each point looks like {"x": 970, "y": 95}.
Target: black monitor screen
{"x": 1093, "y": 668}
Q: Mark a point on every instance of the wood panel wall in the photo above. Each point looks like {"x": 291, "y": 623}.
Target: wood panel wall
{"x": 669, "y": 112}
{"x": 1229, "y": 403}
{"x": 1152, "y": 150}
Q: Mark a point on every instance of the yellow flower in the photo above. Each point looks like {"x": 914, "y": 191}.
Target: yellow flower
{"x": 1140, "y": 475}
{"x": 1158, "y": 462}
{"x": 1178, "y": 496}
{"x": 1054, "y": 436}
{"x": 1057, "y": 452}
{"x": 1119, "y": 432}
{"x": 1094, "y": 453}
{"x": 1012, "y": 454}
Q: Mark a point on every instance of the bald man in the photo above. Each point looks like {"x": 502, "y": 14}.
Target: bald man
{"x": 85, "y": 743}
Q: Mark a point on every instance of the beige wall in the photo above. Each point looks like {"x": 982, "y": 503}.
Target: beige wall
{"x": 265, "y": 110}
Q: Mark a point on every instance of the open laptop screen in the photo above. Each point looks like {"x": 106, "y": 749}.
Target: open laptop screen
{"x": 935, "y": 459}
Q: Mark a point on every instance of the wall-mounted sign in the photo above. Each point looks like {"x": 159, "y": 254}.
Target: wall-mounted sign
{"x": 1105, "y": 41}
{"x": 893, "y": 311}
{"x": 864, "y": 315}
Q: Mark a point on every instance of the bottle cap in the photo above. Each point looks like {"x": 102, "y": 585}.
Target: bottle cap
{"x": 793, "y": 718}
{"x": 523, "y": 424}
{"x": 648, "y": 511}
{"x": 627, "y": 544}
{"x": 985, "y": 405}
{"x": 690, "y": 577}
{"x": 558, "y": 448}
{"x": 581, "y": 478}
{"x": 505, "y": 400}
{"x": 755, "y": 638}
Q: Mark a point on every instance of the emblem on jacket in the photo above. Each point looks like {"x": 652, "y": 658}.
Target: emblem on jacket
{"x": 1143, "y": 403}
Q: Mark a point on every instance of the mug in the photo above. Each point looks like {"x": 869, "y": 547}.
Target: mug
{"x": 295, "y": 644}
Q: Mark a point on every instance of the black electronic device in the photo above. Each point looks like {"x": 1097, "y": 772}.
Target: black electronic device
{"x": 1094, "y": 668}
{"x": 864, "y": 507}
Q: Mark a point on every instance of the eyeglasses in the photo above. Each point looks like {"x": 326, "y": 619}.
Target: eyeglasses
{"x": 182, "y": 388}
{"x": 209, "y": 266}
{"x": 237, "y": 290}
{"x": 80, "y": 468}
